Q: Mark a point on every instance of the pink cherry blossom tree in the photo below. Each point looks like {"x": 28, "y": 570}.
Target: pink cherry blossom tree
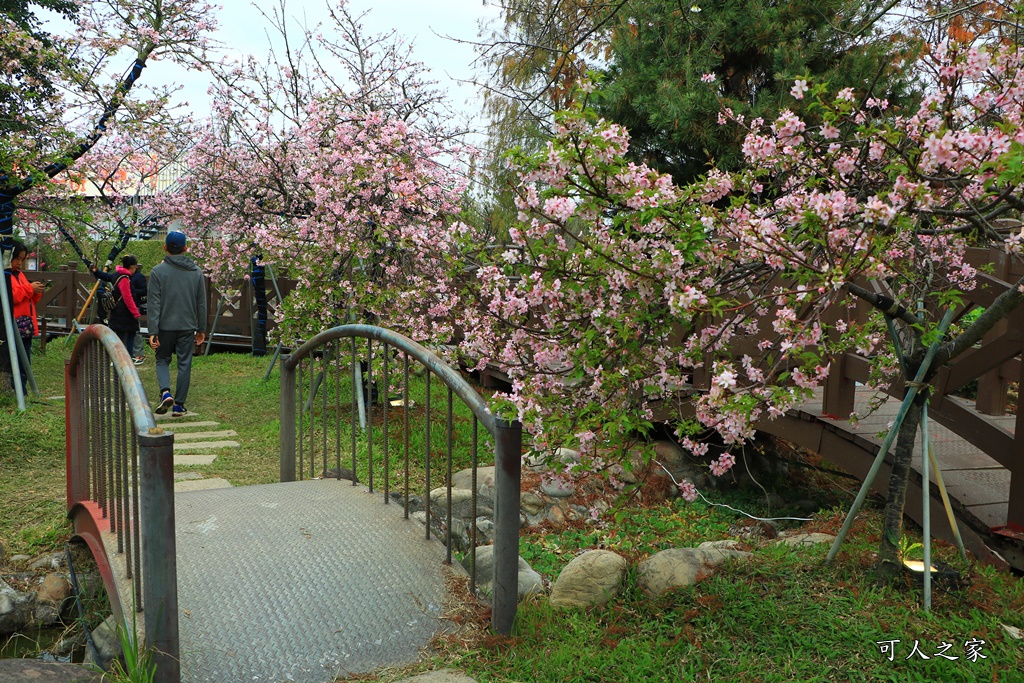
{"x": 618, "y": 286}
{"x": 334, "y": 162}
{"x": 89, "y": 111}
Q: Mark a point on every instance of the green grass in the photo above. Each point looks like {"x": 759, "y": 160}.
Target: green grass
{"x": 782, "y": 616}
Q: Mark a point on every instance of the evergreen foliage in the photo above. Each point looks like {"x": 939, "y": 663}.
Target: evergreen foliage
{"x": 661, "y": 50}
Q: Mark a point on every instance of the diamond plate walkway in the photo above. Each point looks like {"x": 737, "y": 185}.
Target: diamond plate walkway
{"x": 301, "y": 581}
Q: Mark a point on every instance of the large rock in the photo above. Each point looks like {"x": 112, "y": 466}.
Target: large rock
{"x": 108, "y": 644}
{"x": 593, "y": 578}
{"x": 438, "y": 529}
{"x": 484, "y": 479}
{"x": 800, "y": 540}
{"x": 34, "y": 671}
{"x": 17, "y": 609}
{"x": 530, "y": 503}
{"x": 54, "y": 588}
{"x": 50, "y": 598}
{"x": 678, "y": 567}
{"x": 462, "y": 503}
{"x": 530, "y": 582}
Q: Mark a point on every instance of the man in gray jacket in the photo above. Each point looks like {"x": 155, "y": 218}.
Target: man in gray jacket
{"x": 177, "y": 320}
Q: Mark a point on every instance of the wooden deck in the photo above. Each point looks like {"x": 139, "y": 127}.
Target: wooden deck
{"x": 978, "y": 485}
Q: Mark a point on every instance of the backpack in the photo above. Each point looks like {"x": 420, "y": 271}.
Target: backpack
{"x": 109, "y": 298}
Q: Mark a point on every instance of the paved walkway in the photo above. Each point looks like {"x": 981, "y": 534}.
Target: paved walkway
{"x": 300, "y": 581}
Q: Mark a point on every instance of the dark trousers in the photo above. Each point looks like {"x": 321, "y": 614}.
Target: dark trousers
{"x": 128, "y": 339}
{"x": 181, "y": 343}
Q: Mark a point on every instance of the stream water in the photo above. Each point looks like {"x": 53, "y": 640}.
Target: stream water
{"x": 42, "y": 644}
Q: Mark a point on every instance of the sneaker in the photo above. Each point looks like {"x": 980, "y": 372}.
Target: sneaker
{"x": 139, "y": 360}
{"x": 166, "y": 401}
{"x": 179, "y": 410}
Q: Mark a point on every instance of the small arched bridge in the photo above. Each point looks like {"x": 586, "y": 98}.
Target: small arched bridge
{"x": 978, "y": 444}
{"x": 312, "y": 577}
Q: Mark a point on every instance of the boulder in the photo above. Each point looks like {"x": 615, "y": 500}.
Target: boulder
{"x": 530, "y": 503}
{"x": 463, "y": 479}
{"x": 50, "y": 598}
{"x": 800, "y": 540}
{"x": 678, "y": 567}
{"x": 26, "y": 670}
{"x": 530, "y": 582}
{"x": 557, "y": 488}
{"x": 669, "y": 454}
{"x": 50, "y": 561}
{"x": 107, "y": 642}
{"x": 727, "y": 544}
{"x": 54, "y": 588}
{"x": 591, "y": 579}
{"x": 16, "y": 609}
{"x": 462, "y": 503}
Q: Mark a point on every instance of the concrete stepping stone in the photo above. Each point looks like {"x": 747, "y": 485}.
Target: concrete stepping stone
{"x": 188, "y": 425}
{"x": 188, "y": 436}
{"x": 202, "y": 484}
{"x": 169, "y": 416}
{"x": 178, "y": 476}
{"x": 192, "y": 460}
{"x": 188, "y": 445}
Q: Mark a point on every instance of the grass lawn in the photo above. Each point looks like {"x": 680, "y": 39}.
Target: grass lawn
{"x": 782, "y": 616}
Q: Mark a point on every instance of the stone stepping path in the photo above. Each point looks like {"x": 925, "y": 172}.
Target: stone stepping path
{"x": 179, "y": 446}
{"x": 193, "y": 434}
{"x": 188, "y": 436}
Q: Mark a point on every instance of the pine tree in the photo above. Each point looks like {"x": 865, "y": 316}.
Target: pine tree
{"x": 754, "y": 50}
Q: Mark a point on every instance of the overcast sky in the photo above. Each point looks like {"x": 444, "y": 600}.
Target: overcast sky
{"x": 242, "y": 30}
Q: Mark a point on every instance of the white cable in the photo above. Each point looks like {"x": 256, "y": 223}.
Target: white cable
{"x": 723, "y": 505}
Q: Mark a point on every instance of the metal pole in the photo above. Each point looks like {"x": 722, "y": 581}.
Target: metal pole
{"x": 359, "y": 395}
{"x": 273, "y": 360}
{"x": 9, "y": 329}
{"x": 508, "y": 446}
{"x": 159, "y": 552}
{"x": 287, "y": 431}
{"x": 926, "y": 511}
{"x": 213, "y": 327}
{"x": 890, "y": 437}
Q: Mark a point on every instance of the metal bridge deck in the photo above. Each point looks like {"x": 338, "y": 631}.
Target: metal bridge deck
{"x": 301, "y": 582}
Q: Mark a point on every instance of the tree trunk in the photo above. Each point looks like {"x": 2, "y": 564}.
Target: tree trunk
{"x": 889, "y": 564}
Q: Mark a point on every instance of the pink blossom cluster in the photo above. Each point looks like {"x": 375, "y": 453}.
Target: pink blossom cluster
{"x": 624, "y": 288}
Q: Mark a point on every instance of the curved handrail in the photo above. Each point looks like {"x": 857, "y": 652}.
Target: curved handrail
{"x": 120, "y": 486}
{"x": 415, "y": 350}
{"x": 507, "y": 457}
{"x": 135, "y": 395}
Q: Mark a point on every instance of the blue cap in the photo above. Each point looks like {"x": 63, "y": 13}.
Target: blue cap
{"x": 175, "y": 241}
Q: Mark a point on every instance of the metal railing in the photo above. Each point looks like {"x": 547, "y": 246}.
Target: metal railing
{"x": 335, "y": 373}
{"x": 120, "y": 489}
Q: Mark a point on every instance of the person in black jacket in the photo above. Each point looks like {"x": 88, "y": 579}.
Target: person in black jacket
{"x": 124, "y": 317}
{"x": 139, "y": 293}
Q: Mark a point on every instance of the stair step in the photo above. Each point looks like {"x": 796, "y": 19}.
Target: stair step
{"x": 205, "y": 423}
{"x": 169, "y": 416}
{"x": 188, "y": 436}
{"x": 189, "y": 460}
{"x": 205, "y": 444}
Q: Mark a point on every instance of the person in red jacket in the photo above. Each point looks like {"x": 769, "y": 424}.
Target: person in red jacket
{"x": 24, "y": 295}
{"x": 124, "y": 318}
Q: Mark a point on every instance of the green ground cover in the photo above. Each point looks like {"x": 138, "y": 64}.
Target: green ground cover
{"x": 783, "y": 616}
